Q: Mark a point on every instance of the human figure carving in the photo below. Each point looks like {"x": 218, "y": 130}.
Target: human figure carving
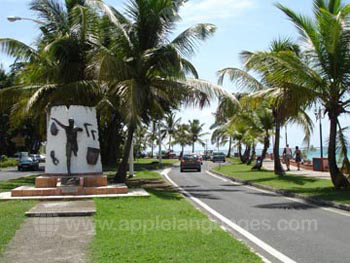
{"x": 72, "y": 142}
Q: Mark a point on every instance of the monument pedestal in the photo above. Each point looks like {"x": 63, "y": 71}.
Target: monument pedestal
{"x": 51, "y": 186}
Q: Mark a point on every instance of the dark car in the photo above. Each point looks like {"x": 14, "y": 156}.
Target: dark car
{"x": 190, "y": 162}
{"x": 28, "y": 163}
{"x": 218, "y": 157}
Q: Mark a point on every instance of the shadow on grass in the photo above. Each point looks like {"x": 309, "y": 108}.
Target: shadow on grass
{"x": 11, "y": 184}
{"x": 138, "y": 167}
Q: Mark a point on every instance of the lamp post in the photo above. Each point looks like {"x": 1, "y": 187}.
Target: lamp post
{"x": 17, "y": 18}
{"x": 319, "y": 116}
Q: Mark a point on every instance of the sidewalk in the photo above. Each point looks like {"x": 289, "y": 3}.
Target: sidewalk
{"x": 268, "y": 165}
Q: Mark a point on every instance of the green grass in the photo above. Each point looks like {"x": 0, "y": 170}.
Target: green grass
{"x": 124, "y": 234}
{"x": 312, "y": 187}
{"x": 12, "y": 212}
{"x": 8, "y": 163}
{"x": 6, "y": 186}
{"x": 11, "y": 217}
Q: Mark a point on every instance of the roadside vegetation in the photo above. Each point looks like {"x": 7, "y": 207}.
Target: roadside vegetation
{"x": 178, "y": 221}
{"x": 8, "y": 162}
{"x": 311, "y": 187}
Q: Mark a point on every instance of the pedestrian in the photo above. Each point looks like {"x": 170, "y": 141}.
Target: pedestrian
{"x": 297, "y": 154}
{"x": 287, "y": 155}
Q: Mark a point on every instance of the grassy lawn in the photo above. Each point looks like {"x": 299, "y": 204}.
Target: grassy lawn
{"x": 12, "y": 212}
{"x": 162, "y": 228}
{"x": 317, "y": 188}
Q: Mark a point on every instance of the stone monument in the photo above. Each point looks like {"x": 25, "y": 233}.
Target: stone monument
{"x": 73, "y": 162}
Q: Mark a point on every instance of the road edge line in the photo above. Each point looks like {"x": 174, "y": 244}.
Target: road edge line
{"x": 270, "y": 250}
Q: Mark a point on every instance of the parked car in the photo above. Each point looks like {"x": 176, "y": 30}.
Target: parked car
{"x": 39, "y": 157}
{"x": 190, "y": 162}
{"x": 218, "y": 157}
{"x": 207, "y": 155}
{"x": 28, "y": 163}
{"x": 20, "y": 155}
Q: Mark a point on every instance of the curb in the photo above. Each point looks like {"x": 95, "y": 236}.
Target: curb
{"x": 311, "y": 200}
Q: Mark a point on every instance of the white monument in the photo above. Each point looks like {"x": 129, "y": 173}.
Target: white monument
{"x": 85, "y": 155}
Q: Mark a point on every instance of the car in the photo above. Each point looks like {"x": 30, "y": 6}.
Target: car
{"x": 207, "y": 155}
{"x": 190, "y": 162}
{"x": 28, "y": 163}
{"x": 20, "y": 155}
{"x": 39, "y": 157}
{"x": 218, "y": 157}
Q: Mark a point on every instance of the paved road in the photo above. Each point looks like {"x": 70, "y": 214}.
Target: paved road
{"x": 12, "y": 173}
{"x": 301, "y": 232}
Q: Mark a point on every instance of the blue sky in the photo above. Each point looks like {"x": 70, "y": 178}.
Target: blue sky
{"x": 242, "y": 25}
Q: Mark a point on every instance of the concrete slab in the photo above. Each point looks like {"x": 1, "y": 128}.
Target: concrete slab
{"x": 63, "y": 209}
{"x": 136, "y": 192}
{"x": 51, "y": 239}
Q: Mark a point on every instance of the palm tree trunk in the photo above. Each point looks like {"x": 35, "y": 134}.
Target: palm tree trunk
{"x": 123, "y": 167}
{"x": 338, "y": 179}
{"x": 229, "y": 148}
{"x": 252, "y": 157}
{"x": 240, "y": 151}
{"x": 152, "y": 146}
{"x": 193, "y": 147}
{"x": 169, "y": 143}
{"x": 259, "y": 164}
{"x": 278, "y": 169}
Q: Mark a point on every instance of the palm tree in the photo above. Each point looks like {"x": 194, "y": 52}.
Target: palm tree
{"x": 286, "y": 103}
{"x": 182, "y": 137}
{"x": 195, "y": 131}
{"x": 170, "y": 124}
{"x": 322, "y": 73}
{"x": 146, "y": 68}
{"x": 152, "y": 136}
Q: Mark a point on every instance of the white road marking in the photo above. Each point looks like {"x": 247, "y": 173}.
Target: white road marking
{"x": 217, "y": 177}
{"x": 228, "y": 222}
{"x": 329, "y": 209}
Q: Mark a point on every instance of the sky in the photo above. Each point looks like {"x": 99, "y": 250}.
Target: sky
{"x": 241, "y": 25}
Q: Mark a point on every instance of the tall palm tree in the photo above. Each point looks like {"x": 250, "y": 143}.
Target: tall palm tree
{"x": 170, "y": 124}
{"x": 322, "y": 73}
{"x": 146, "y": 68}
{"x": 196, "y": 132}
{"x": 286, "y": 103}
{"x": 182, "y": 137}
{"x": 152, "y": 136}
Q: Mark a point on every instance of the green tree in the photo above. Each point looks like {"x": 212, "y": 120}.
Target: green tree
{"x": 286, "y": 103}
{"x": 321, "y": 74}
{"x": 146, "y": 68}
{"x": 196, "y": 132}
{"x": 182, "y": 137}
{"x": 169, "y": 126}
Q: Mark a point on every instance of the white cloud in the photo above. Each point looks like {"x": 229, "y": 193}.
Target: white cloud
{"x": 209, "y": 10}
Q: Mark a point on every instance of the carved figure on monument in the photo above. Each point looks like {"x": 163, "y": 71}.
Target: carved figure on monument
{"x": 72, "y": 142}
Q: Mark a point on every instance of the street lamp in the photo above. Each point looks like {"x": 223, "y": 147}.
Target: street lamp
{"x": 17, "y": 18}
{"x": 319, "y": 116}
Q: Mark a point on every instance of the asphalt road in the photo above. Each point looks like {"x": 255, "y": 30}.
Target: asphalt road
{"x": 301, "y": 232}
{"x": 12, "y": 173}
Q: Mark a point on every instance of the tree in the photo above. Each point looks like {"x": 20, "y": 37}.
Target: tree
{"x": 147, "y": 69}
{"x": 169, "y": 126}
{"x": 321, "y": 74}
{"x": 286, "y": 103}
{"x": 182, "y": 136}
{"x": 196, "y": 132}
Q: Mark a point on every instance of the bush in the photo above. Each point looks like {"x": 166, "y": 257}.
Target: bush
{"x": 3, "y": 158}
{"x": 8, "y": 163}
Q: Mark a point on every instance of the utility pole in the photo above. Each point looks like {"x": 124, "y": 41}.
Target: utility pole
{"x": 319, "y": 116}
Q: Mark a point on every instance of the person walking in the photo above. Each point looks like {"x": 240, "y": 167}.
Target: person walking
{"x": 297, "y": 154}
{"x": 287, "y": 155}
